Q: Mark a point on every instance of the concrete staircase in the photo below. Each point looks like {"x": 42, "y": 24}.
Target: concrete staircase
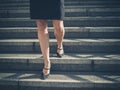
{"x": 92, "y": 47}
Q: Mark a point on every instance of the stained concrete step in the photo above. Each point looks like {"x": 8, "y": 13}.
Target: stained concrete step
{"x": 92, "y": 62}
{"x": 105, "y": 3}
{"x": 69, "y": 12}
{"x": 15, "y": 7}
{"x": 71, "y": 32}
{"x": 70, "y": 46}
{"x": 65, "y": 0}
{"x": 65, "y": 7}
{"x": 58, "y": 81}
{"x": 69, "y": 22}
{"x": 67, "y": 3}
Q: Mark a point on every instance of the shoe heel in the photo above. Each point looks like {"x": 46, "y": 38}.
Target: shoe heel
{"x": 60, "y": 55}
{"x": 44, "y": 76}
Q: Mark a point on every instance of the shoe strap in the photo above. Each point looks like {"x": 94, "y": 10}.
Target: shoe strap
{"x": 60, "y": 48}
{"x": 46, "y": 68}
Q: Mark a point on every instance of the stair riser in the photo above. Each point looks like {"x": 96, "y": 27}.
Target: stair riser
{"x": 39, "y": 66}
{"x": 10, "y": 86}
{"x": 83, "y": 5}
{"x": 70, "y": 66}
{"x": 67, "y": 2}
{"x": 70, "y": 47}
{"x": 77, "y": 34}
{"x": 59, "y": 86}
{"x": 68, "y": 23}
{"x": 108, "y": 35}
{"x": 67, "y": 8}
{"x": 88, "y": 86}
{"x": 34, "y": 88}
{"x": 67, "y": 14}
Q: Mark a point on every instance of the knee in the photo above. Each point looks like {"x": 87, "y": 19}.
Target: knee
{"x": 41, "y": 24}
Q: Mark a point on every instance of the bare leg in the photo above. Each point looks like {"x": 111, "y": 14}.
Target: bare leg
{"x": 59, "y": 34}
{"x": 43, "y": 37}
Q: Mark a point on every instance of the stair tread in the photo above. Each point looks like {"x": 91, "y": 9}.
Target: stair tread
{"x": 67, "y": 56}
{"x": 67, "y": 29}
{"x": 69, "y": 77}
{"x": 65, "y": 40}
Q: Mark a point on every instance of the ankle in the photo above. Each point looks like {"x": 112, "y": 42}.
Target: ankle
{"x": 47, "y": 66}
{"x": 59, "y": 46}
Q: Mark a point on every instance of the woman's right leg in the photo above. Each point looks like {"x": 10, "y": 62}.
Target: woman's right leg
{"x": 43, "y": 37}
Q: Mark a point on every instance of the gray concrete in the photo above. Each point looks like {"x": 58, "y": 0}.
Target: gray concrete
{"x": 71, "y": 32}
{"x": 23, "y": 12}
{"x": 7, "y": 82}
{"x": 82, "y": 2}
{"x": 85, "y": 81}
{"x": 69, "y": 22}
{"x": 70, "y": 62}
{"x": 70, "y": 46}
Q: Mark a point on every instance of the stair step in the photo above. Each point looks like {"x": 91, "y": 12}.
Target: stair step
{"x": 14, "y": 7}
{"x": 100, "y": 62}
{"x": 68, "y": 8}
{"x": 70, "y": 12}
{"x": 70, "y": 45}
{"x": 65, "y": 0}
{"x": 69, "y": 22}
{"x": 67, "y": 3}
{"x": 71, "y": 32}
{"x": 58, "y": 81}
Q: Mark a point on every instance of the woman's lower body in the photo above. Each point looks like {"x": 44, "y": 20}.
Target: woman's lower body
{"x": 43, "y": 10}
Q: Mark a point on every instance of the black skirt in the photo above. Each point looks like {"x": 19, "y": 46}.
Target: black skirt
{"x": 47, "y": 9}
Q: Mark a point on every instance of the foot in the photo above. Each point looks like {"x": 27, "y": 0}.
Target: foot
{"x": 60, "y": 52}
{"x": 45, "y": 73}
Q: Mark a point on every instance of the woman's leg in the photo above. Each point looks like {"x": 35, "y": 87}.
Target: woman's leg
{"x": 43, "y": 37}
{"x": 59, "y": 34}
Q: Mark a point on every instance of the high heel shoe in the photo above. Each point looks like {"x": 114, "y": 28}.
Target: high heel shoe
{"x": 45, "y": 76}
{"x": 60, "y": 55}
